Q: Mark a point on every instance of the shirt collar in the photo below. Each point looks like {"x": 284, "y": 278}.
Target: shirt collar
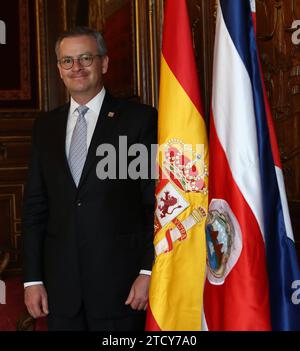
{"x": 94, "y": 104}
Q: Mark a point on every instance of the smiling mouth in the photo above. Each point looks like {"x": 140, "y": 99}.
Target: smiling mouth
{"x": 79, "y": 77}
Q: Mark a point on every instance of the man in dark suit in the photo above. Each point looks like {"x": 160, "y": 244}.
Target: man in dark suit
{"x": 87, "y": 242}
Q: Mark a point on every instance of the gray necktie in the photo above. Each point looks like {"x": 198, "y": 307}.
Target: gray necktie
{"x": 78, "y": 147}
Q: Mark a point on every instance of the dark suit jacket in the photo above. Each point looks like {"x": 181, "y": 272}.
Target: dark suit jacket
{"x": 88, "y": 243}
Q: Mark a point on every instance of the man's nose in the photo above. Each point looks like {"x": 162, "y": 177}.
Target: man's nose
{"x": 76, "y": 65}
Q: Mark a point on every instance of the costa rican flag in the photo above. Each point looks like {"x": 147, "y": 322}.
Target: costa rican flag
{"x": 253, "y": 277}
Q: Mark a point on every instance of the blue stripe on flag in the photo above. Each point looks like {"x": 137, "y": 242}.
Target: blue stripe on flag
{"x": 281, "y": 254}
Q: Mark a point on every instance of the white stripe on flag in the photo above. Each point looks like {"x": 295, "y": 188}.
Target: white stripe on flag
{"x": 284, "y": 203}
{"x": 253, "y": 6}
{"x": 203, "y": 322}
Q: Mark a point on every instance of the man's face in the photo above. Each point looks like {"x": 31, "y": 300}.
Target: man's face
{"x": 79, "y": 80}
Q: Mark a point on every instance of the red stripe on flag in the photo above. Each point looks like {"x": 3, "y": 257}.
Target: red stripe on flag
{"x": 273, "y": 139}
{"x": 254, "y": 20}
{"x": 178, "y": 49}
{"x": 242, "y": 301}
{"x": 151, "y": 324}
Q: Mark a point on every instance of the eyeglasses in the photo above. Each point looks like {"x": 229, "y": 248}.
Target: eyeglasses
{"x": 85, "y": 60}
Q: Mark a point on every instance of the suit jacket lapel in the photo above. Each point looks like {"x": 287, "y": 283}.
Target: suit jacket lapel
{"x": 62, "y": 119}
{"x": 105, "y": 132}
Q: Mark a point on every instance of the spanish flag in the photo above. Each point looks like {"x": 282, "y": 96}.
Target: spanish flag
{"x": 178, "y": 275}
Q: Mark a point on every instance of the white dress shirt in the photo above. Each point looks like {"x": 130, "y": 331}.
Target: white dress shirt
{"x": 91, "y": 117}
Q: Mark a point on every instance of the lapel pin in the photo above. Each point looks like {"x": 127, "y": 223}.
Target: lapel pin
{"x": 111, "y": 114}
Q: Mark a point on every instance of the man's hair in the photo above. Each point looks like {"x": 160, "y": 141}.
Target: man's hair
{"x": 79, "y": 31}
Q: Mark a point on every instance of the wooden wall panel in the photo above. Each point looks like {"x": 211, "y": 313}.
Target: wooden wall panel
{"x": 20, "y": 80}
{"x": 119, "y": 34}
{"x": 55, "y": 22}
{"x": 10, "y": 221}
{"x": 14, "y": 156}
{"x": 40, "y": 22}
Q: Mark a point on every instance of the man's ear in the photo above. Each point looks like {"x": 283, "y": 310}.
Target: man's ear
{"x": 104, "y": 64}
{"x": 59, "y": 69}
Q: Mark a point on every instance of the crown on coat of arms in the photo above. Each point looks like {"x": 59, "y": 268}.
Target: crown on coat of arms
{"x": 185, "y": 166}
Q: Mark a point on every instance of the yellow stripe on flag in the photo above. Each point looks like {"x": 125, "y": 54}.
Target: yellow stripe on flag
{"x": 177, "y": 114}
